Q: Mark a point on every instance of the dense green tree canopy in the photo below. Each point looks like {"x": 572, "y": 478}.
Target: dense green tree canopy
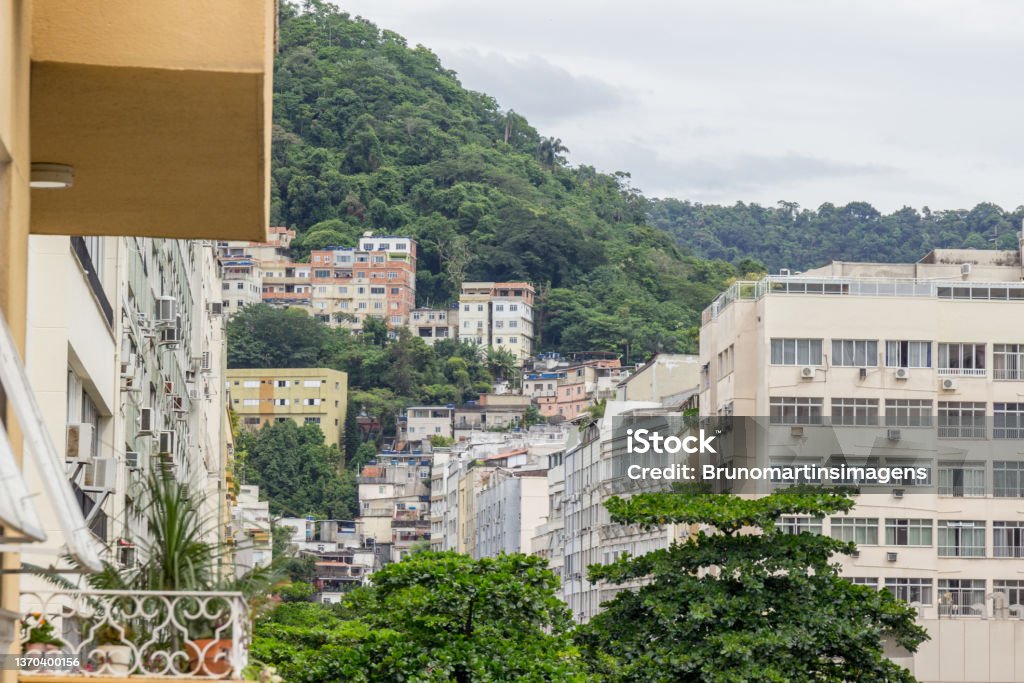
{"x": 786, "y": 236}
{"x": 297, "y": 472}
{"x": 434, "y": 617}
{"x": 744, "y": 602}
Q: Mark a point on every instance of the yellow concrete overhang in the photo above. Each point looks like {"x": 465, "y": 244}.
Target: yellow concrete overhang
{"x": 163, "y": 109}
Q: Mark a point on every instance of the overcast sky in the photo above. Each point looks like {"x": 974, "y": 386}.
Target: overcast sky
{"x": 895, "y": 102}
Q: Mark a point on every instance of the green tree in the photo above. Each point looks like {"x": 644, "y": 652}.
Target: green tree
{"x": 298, "y": 473}
{"x": 261, "y": 336}
{"x": 745, "y": 602}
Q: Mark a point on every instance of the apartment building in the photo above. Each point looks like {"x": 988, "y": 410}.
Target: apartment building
{"x": 423, "y": 422}
{"x": 89, "y": 148}
{"x": 895, "y": 364}
{"x": 286, "y": 283}
{"x": 304, "y": 395}
{"x": 498, "y": 315}
{"x": 242, "y": 283}
{"x": 509, "y": 509}
{"x": 251, "y": 530}
{"x": 125, "y": 348}
{"x": 490, "y": 411}
{"x": 378, "y": 279}
{"x": 394, "y": 501}
{"x": 566, "y": 386}
{"x": 434, "y": 324}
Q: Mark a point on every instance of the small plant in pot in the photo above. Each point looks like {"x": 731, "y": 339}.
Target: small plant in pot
{"x": 112, "y": 653}
{"x": 40, "y": 638}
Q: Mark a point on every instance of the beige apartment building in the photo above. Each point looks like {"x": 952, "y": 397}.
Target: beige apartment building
{"x": 305, "y": 395}
{"x": 434, "y": 324}
{"x": 498, "y": 315}
{"x": 898, "y": 364}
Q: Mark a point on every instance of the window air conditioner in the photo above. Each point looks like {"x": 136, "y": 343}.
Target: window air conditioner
{"x": 131, "y": 460}
{"x": 79, "y": 442}
{"x": 893, "y": 434}
{"x": 166, "y": 444}
{"x": 891, "y": 557}
{"x": 146, "y": 418}
{"x": 104, "y": 475}
{"x": 166, "y": 310}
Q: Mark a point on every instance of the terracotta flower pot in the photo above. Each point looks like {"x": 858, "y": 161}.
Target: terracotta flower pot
{"x": 215, "y": 655}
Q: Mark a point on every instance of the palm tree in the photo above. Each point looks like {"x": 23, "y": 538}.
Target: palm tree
{"x": 501, "y": 363}
{"x": 550, "y": 151}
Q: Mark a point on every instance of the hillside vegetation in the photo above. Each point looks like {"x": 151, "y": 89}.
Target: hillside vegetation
{"x": 786, "y": 236}
{"x": 371, "y": 133}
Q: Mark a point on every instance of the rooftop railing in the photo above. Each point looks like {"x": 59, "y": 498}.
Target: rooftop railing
{"x": 750, "y": 290}
{"x": 180, "y": 634}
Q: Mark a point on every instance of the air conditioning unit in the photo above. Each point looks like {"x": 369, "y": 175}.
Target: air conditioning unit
{"x": 205, "y": 362}
{"x": 807, "y": 372}
{"x": 166, "y": 442}
{"x": 146, "y": 420}
{"x": 131, "y": 460}
{"x": 898, "y": 493}
{"x": 216, "y": 308}
{"x": 949, "y": 384}
{"x": 855, "y": 554}
{"x": 170, "y": 336}
{"x": 891, "y": 557}
{"x": 178, "y": 404}
{"x": 785, "y": 272}
{"x": 965, "y": 269}
{"x": 893, "y": 434}
{"x": 863, "y": 373}
{"x": 166, "y": 310}
{"x": 79, "y": 442}
{"x": 902, "y": 373}
{"x": 193, "y": 392}
{"x": 104, "y": 475}
{"x": 796, "y": 431}
{"x": 168, "y": 387}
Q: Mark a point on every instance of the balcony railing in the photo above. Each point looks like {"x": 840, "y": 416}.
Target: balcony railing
{"x": 140, "y": 633}
{"x": 1008, "y": 374}
{"x": 961, "y": 372}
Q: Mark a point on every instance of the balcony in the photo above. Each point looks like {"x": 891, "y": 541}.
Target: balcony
{"x": 141, "y": 634}
{"x": 164, "y": 117}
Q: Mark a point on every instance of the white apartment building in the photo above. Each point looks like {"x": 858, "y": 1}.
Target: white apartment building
{"x": 250, "y": 530}
{"x": 125, "y": 351}
{"x": 423, "y": 422}
{"x": 509, "y": 509}
{"x": 394, "y": 501}
{"x": 920, "y": 364}
{"x": 498, "y": 315}
{"x": 434, "y": 324}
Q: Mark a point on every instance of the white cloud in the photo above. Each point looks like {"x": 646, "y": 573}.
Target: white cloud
{"x": 889, "y": 101}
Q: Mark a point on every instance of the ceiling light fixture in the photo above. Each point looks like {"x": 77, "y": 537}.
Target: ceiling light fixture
{"x": 51, "y": 176}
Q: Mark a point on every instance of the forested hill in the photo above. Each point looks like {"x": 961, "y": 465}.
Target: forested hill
{"x": 373, "y": 134}
{"x": 786, "y": 236}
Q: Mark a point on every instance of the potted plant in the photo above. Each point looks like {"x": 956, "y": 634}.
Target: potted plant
{"x": 40, "y": 638}
{"x": 210, "y": 656}
{"x": 111, "y": 654}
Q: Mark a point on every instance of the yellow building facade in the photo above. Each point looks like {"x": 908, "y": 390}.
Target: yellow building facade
{"x": 306, "y": 395}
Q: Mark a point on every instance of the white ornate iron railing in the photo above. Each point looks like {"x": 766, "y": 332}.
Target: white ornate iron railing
{"x": 172, "y": 634}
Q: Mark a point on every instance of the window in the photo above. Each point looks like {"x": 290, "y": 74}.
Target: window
{"x": 499, "y": 307}
{"x": 377, "y": 290}
{"x": 859, "y": 530}
{"x": 961, "y": 479}
{"x": 281, "y": 383}
{"x": 911, "y": 590}
{"x": 961, "y": 539}
{"x": 863, "y": 581}
{"x": 252, "y": 421}
{"x": 280, "y": 401}
{"x": 1014, "y": 590}
{"x": 962, "y": 359}
{"x": 855, "y": 411}
{"x": 908, "y": 354}
{"x": 1007, "y": 539}
{"x": 251, "y": 383}
{"x": 796, "y": 352}
{"x": 961, "y": 420}
{"x": 310, "y": 401}
{"x": 1008, "y": 479}
{"x": 908, "y": 412}
{"x": 311, "y": 383}
{"x": 961, "y": 597}
{"x": 1008, "y": 421}
{"x": 908, "y": 532}
{"x": 909, "y": 480}
{"x": 513, "y": 340}
{"x": 1008, "y": 361}
{"x": 799, "y": 525}
{"x": 250, "y": 402}
{"x": 795, "y": 410}
{"x": 312, "y": 420}
{"x": 513, "y": 307}
{"x": 855, "y": 353}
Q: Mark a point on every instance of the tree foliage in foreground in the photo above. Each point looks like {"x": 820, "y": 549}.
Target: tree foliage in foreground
{"x": 732, "y": 606}
{"x": 434, "y": 617}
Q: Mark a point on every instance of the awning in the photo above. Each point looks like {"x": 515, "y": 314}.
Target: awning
{"x": 51, "y": 466}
